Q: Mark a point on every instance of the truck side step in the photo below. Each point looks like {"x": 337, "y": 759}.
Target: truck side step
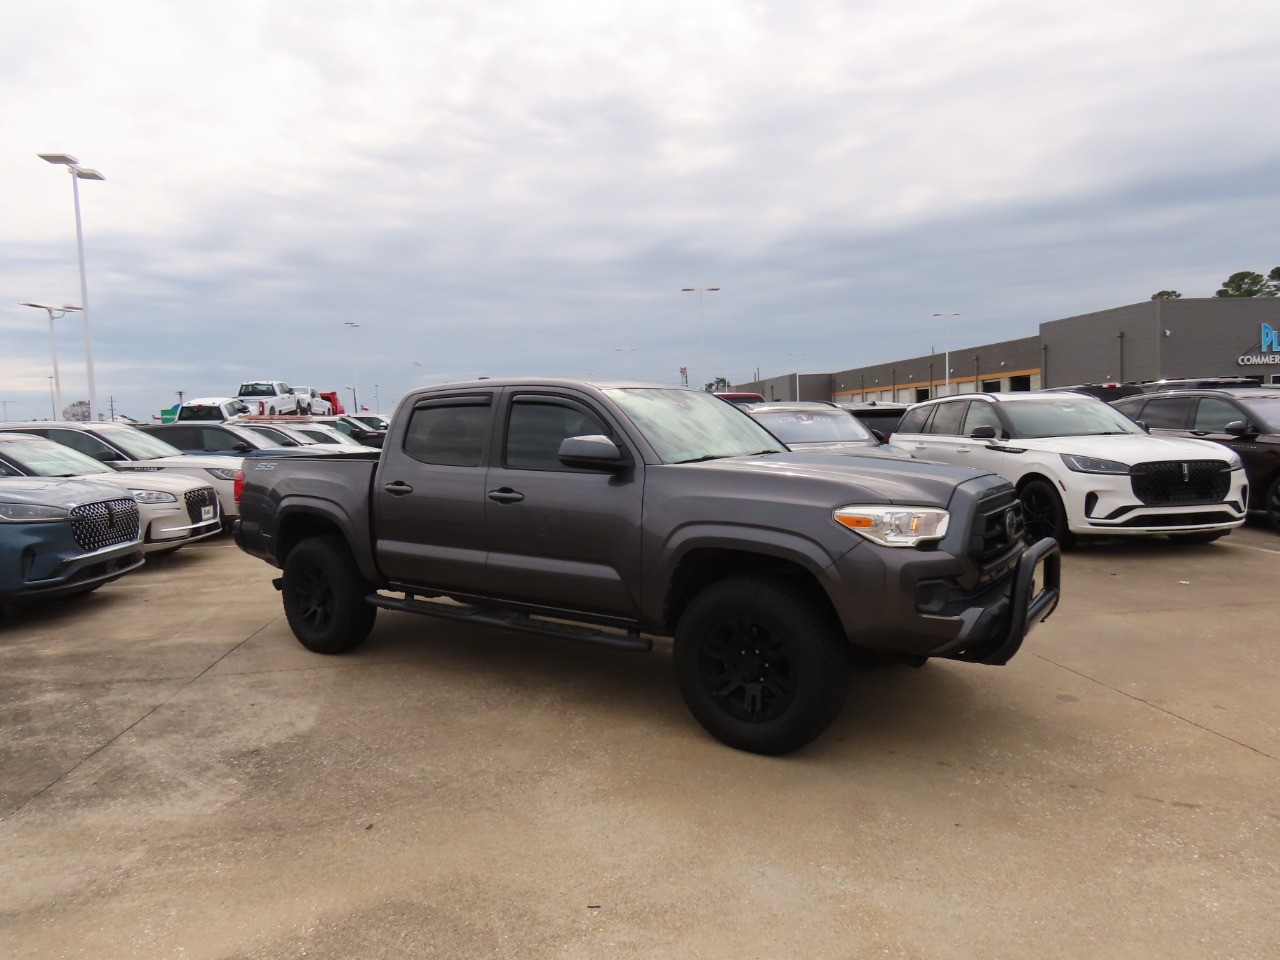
{"x": 630, "y": 641}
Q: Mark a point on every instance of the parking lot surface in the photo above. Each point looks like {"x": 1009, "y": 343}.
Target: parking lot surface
{"x": 182, "y": 779}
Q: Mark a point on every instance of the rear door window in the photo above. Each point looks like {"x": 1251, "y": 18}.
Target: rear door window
{"x": 1167, "y": 413}
{"x": 913, "y": 421}
{"x": 947, "y": 420}
{"x": 450, "y": 434}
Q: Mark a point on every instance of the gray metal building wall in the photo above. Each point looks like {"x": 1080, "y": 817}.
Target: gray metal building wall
{"x": 1202, "y": 337}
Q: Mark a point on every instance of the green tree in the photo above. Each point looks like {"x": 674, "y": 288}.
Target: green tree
{"x": 718, "y": 384}
{"x": 1167, "y": 295}
{"x": 1246, "y": 283}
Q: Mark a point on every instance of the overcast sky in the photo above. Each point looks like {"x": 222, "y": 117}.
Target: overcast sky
{"x": 510, "y": 188}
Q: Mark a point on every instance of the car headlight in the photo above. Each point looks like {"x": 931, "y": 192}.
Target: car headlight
{"x": 31, "y": 513}
{"x": 1094, "y": 465}
{"x": 893, "y": 526}
{"x": 153, "y": 496}
{"x": 222, "y": 473}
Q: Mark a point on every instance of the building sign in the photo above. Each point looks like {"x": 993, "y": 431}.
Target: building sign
{"x": 1269, "y": 347}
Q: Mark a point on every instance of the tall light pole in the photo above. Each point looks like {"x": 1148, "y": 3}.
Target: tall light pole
{"x": 946, "y": 350}
{"x": 79, "y": 173}
{"x": 52, "y": 402}
{"x": 797, "y": 373}
{"x": 355, "y": 374}
{"x": 53, "y": 344}
{"x": 702, "y": 334}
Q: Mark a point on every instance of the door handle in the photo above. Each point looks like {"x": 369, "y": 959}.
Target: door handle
{"x": 398, "y": 489}
{"x": 920, "y": 446}
{"x": 505, "y": 495}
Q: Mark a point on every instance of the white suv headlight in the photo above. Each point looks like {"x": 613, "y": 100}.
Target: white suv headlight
{"x": 1094, "y": 464}
{"x": 894, "y": 526}
{"x": 153, "y": 496}
{"x": 222, "y": 473}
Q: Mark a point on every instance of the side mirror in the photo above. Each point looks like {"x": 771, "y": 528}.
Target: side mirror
{"x": 594, "y": 452}
{"x": 1143, "y": 425}
{"x": 240, "y": 446}
{"x": 984, "y": 432}
{"x": 880, "y": 437}
{"x": 1237, "y": 428}
{"x": 105, "y": 456}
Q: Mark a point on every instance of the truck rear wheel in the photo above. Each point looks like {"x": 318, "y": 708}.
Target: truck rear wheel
{"x": 760, "y": 664}
{"x": 324, "y": 596}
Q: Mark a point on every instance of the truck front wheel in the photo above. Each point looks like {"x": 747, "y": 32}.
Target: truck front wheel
{"x": 324, "y": 596}
{"x": 760, "y": 664}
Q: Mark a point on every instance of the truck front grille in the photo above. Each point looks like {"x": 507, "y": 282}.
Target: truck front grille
{"x": 198, "y": 499}
{"x": 997, "y": 528}
{"x": 105, "y": 523}
{"x": 1181, "y": 481}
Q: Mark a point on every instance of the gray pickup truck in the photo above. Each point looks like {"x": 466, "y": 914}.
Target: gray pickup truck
{"x": 610, "y": 513}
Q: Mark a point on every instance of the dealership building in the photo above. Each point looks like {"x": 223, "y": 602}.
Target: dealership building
{"x": 1154, "y": 340}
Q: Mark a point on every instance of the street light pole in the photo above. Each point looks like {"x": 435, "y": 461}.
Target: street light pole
{"x": 946, "y": 355}
{"x": 797, "y": 373}
{"x": 702, "y": 335}
{"x": 79, "y": 173}
{"x": 53, "y": 344}
{"x": 355, "y": 374}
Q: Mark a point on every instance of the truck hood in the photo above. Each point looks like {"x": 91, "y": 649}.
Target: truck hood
{"x": 65, "y": 492}
{"x": 869, "y": 478}
{"x": 1128, "y": 448}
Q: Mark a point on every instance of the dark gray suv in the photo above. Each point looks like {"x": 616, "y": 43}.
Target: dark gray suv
{"x": 1246, "y": 419}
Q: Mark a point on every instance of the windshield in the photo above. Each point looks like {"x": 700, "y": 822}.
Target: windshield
{"x": 45, "y": 458}
{"x": 257, "y": 390}
{"x": 813, "y": 426}
{"x": 684, "y": 426}
{"x": 138, "y": 445}
{"x": 1083, "y": 417}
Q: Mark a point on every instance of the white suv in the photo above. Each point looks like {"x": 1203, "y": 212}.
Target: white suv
{"x": 268, "y": 397}
{"x": 1082, "y": 467}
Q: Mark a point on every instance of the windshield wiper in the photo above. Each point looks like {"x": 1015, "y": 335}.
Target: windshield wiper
{"x": 704, "y": 459}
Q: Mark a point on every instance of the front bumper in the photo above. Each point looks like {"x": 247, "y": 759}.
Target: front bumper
{"x": 930, "y": 604}
{"x": 993, "y": 634}
{"x": 75, "y": 573}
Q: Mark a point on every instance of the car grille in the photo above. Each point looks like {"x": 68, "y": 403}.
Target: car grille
{"x": 198, "y": 499}
{"x": 102, "y": 524}
{"x": 1181, "y": 481}
{"x": 998, "y": 526}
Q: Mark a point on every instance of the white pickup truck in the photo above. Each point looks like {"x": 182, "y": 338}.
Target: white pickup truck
{"x": 268, "y": 397}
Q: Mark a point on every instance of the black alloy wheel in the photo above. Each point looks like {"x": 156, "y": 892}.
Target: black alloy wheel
{"x": 324, "y": 596}
{"x": 762, "y": 663}
{"x": 748, "y": 671}
{"x": 1044, "y": 514}
{"x": 1272, "y": 504}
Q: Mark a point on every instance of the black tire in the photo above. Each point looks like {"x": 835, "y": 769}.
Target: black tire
{"x": 1044, "y": 513}
{"x": 761, "y": 664}
{"x": 1203, "y": 536}
{"x": 1272, "y": 504}
{"x": 324, "y": 596}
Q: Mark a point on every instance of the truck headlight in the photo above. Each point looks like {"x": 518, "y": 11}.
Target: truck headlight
{"x": 222, "y": 473}
{"x": 894, "y": 526}
{"x": 31, "y": 513}
{"x": 153, "y": 496}
{"x": 1094, "y": 464}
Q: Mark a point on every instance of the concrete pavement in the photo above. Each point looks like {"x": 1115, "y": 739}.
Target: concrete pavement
{"x": 182, "y": 779}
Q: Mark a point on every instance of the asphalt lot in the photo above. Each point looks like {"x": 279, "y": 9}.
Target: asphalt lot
{"x": 181, "y": 779}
